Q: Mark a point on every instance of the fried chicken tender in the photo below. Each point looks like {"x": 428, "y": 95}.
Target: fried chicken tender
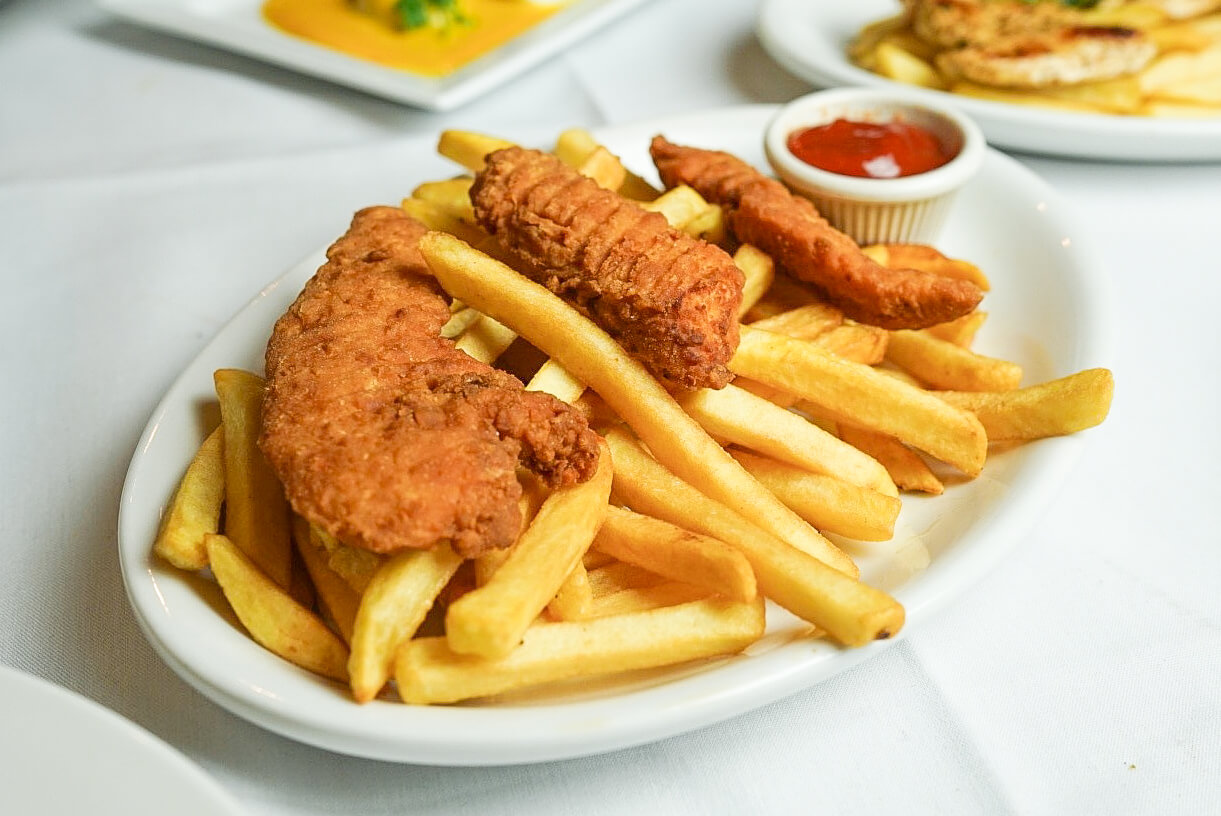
{"x": 761, "y": 211}
{"x": 382, "y": 432}
{"x": 670, "y": 300}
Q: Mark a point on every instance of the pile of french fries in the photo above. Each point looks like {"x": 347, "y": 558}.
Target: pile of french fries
{"x": 704, "y": 503}
{"x": 1183, "y": 81}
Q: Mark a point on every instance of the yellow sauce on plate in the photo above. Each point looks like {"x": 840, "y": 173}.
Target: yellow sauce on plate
{"x": 371, "y": 34}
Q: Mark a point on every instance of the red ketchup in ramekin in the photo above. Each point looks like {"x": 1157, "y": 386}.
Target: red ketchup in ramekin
{"x": 870, "y": 149}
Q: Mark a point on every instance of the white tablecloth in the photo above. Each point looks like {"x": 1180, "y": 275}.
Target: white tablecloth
{"x": 150, "y": 186}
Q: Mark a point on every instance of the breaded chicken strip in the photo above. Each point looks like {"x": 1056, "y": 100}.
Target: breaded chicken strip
{"x": 670, "y": 300}
{"x": 383, "y": 433}
{"x": 761, "y": 211}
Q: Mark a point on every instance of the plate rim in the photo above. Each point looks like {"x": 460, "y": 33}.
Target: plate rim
{"x": 687, "y": 703}
{"x": 38, "y": 690}
{"x": 1110, "y": 137}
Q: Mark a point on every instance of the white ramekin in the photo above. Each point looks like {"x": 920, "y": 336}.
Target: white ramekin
{"x": 908, "y": 209}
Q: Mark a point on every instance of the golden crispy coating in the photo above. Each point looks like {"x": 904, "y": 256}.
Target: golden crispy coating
{"x": 383, "y": 433}
{"x": 1017, "y": 44}
{"x": 761, "y": 211}
{"x": 669, "y": 299}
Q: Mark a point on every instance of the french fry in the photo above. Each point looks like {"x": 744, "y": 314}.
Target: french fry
{"x": 856, "y": 342}
{"x": 1204, "y": 91}
{"x": 434, "y": 216}
{"x": 637, "y": 189}
{"x": 1053, "y": 408}
{"x": 851, "y": 612}
{"x": 773, "y": 395}
{"x": 678, "y": 204}
{"x": 784, "y": 295}
{"x": 960, "y": 331}
{"x": 616, "y": 576}
{"x": 256, "y": 512}
{"x": 907, "y": 40}
{"x": 459, "y": 322}
{"x": 594, "y": 559}
{"x": 452, "y": 195}
{"x": 354, "y": 565}
{"x": 759, "y": 271}
{"x": 904, "y": 465}
{"x": 687, "y": 210}
{"x": 557, "y": 381}
{"x": 271, "y": 616}
{"x": 574, "y": 600}
{"x": 1121, "y": 95}
{"x": 863, "y": 396}
{"x": 533, "y": 494}
{"x": 469, "y": 149}
{"x": 666, "y": 593}
{"x": 750, "y": 421}
{"x": 675, "y": 553}
{"x": 491, "y": 620}
{"x": 429, "y": 671}
{"x": 486, "y": 339}
{"x": 194, "y": 510}
{"x": 1021, "y": 97}
{"x": 864, "y": 46}
{"x": 926, "y": 259}
{"x": 804, "y": 322}
{"x": 1184, "y": 36}
{"x": 604, "y": 168}
{"x": 391, "y": 609}
{"x": 1166, "y": 109}
{"x": 598, "y": 361}
{"x": 487, "y": 563}
{"x": 708, "y": 225}
{"x": 575, "y": 146}
{"x": 825, "y": 325}
{"x": 1130, "y": 15}
{"x": 829, "y": 504}
{"x": 944, "y": 365}
{"x": 897, "y": 63}
{"x": 1173, "y": 71}
{"x": 335, "y": 596}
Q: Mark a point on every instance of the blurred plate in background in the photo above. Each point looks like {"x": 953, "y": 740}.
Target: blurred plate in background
{"x": 238, "y": 25}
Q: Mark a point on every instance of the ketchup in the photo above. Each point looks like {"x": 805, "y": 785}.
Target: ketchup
{"x": 869, "y": 149}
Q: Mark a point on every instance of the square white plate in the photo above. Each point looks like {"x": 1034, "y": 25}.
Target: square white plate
{"x": 238, "y": 25}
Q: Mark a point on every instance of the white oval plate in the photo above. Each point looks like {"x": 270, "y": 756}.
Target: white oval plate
{"x": 811, "y": 41}
{"x": 63, "y": 753}
{"x": 1048, "y": 309}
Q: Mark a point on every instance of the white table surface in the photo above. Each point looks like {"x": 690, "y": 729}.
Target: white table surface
{"x": 150, "y": 186}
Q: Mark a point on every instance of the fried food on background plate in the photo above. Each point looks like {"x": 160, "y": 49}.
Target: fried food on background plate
{"x": 669, "y": 299}
{"x": 762, "y": 212}
{"x": 383, "y": 433}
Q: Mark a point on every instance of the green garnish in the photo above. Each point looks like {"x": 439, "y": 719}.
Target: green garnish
{"x": 438, "y": 14}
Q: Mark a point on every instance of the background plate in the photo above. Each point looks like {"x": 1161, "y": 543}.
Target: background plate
{"x": 63, "y": 753}
{"x": 238, "y": 26}
{"x": 1048, "y": 309}
{"x": 811, "y": 41}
